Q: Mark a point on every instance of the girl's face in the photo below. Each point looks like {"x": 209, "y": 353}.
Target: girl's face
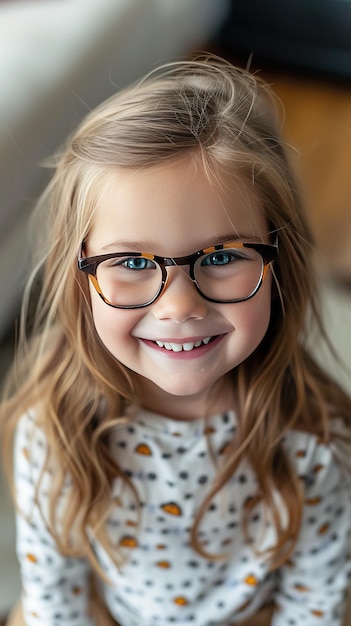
{"x": 173, "y": 210}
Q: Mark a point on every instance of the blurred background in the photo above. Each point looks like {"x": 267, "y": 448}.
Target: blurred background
{"x": 60, "y": 59}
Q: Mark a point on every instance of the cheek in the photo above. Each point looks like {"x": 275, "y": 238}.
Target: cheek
{"x": 252, "y": 317}
{"x": 113, "y": 326}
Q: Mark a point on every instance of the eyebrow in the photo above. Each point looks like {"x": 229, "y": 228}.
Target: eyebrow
{"x": 134, "y": 246}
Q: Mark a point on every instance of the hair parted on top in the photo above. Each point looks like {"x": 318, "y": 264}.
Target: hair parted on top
{"x": 228, "y": 116}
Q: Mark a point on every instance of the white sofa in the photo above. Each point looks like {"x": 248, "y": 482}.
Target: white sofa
{"x": 58, "y": 60}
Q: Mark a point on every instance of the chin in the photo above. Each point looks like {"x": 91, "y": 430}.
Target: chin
{"x": 185, "y": 390}
{"x": 185, "y": 387}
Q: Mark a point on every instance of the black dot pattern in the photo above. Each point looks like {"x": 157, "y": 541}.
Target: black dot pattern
{"x": 164, "y": 580}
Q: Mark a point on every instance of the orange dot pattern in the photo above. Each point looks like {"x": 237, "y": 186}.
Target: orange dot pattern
{"x": 171, "y": 481}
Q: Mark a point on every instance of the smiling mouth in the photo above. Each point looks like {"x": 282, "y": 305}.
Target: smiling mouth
{"x": 188, "y": 346}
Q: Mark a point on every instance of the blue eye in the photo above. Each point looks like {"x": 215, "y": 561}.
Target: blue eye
{"x": 138, "y": 263}
{"x": 220, "y": 258}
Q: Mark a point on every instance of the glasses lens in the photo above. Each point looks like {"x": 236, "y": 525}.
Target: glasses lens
{"x": 129, "y": 281}
{"x": 229, "y": 274}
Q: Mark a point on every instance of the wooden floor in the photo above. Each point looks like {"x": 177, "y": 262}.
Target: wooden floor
{"x": 318, "y": 123}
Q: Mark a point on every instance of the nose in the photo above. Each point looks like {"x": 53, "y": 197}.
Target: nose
{"x": 180, "y": 300}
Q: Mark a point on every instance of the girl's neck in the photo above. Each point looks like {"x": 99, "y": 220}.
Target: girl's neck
{"x": 219, "y": 399}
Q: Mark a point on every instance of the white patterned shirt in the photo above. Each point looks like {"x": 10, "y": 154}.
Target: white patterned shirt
{"x": 172, "y": 465}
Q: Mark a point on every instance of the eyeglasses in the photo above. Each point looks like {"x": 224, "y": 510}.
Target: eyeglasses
{"x": 230, "y": 272}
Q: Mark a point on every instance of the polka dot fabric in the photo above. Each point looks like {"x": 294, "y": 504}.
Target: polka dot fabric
{"x": 172, "y": 465}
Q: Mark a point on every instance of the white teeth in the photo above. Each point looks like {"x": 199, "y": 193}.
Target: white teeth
{"x": 176, "y": 347}
{"x": 187, "y": 346}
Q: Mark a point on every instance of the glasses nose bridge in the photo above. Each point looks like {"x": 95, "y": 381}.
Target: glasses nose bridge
{"x": 180, "y": 262}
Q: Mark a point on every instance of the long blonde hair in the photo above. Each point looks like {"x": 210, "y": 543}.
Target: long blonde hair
{"x": 79, "y": 391}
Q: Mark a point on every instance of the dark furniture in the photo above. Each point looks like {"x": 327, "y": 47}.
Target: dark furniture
{"x": 305, "y": 34}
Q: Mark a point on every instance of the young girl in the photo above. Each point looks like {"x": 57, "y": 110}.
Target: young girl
{"x": 177, "y": 451}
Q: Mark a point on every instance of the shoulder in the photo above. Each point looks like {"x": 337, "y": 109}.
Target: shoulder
{"x": 34, "y": 468}
{"x": 30, "y": 443}
{"x": 319, "y": 463}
